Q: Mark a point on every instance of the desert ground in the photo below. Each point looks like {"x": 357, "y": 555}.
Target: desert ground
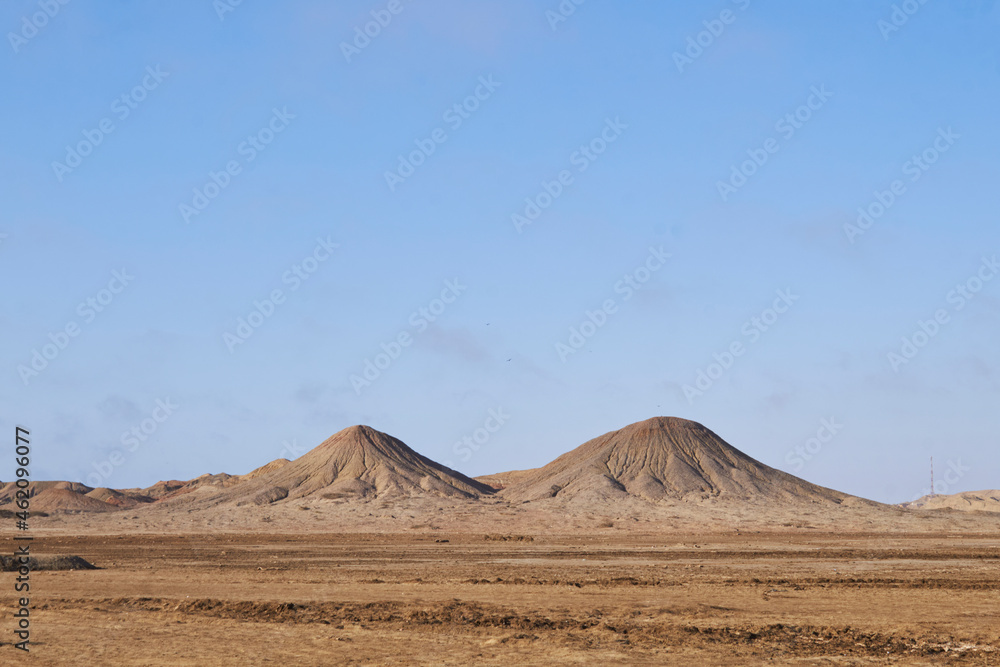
{"x": 655, "y": 544}
{"x": 797, "y": 596}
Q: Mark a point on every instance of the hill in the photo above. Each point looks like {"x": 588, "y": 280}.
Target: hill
{"x": 357, "y": 462}
{"x": 662, "y": 458}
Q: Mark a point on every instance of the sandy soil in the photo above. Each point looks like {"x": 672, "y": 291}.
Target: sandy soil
{"x": 799, "y": 597}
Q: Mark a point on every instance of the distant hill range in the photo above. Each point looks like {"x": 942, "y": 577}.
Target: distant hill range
{"x": 664, "y": 459}
{"x": 76, "y": 497}
{"x": 970, "y": 501}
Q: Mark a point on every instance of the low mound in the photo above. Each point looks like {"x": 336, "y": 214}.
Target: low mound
{"x": 65, "y": 500}
{"x": 104, "y": 493}
{"x": 71, "y": 486}
{"x": 10, "y": 564}
{"x": 276, "y": 464}
{"x": 160, "y": 489}
{"x": 219, "y": 479}
{"x": 118, "y": 498}
{"x": 974, "y": 501}
{"x": 356, "y": 462}
{"x": 502, "y": 480}
{"x": 662, "y": 458}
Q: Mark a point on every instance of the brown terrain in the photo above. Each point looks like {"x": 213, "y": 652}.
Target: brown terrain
{"x": 658, "y": 543}
{"x": 981, "y": 501}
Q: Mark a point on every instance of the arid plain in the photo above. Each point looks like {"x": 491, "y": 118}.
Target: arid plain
{"x": 655, "y": 544}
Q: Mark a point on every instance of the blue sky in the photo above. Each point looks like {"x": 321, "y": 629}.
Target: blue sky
{"x": 642, "y": 138}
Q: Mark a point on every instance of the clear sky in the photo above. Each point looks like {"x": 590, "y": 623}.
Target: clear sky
{"x": 507, "y": 168}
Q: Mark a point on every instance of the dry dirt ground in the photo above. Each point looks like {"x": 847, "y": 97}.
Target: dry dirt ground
{"x": 799, "y": 597}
